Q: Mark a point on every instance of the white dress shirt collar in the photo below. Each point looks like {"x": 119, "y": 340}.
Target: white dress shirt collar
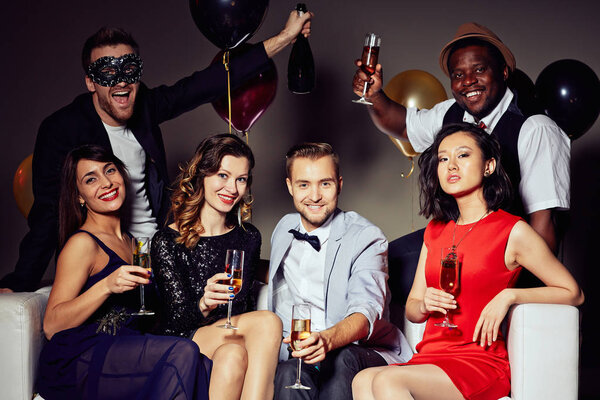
{"x": 491, "y": 120}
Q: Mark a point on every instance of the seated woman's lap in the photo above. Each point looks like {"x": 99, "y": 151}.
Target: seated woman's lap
{"x": 424, "y": 381}
{"x": 133, "y": 366}
{"x": 253, "y": 323}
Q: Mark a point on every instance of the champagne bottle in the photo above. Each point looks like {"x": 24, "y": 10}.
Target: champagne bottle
{"x": 301, "y": 66}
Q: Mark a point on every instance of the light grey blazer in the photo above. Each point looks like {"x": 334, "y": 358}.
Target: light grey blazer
{"x": 355, "y": 278}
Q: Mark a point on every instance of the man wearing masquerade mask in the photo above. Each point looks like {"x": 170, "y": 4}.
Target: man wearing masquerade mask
{"x": 121, "y": 113}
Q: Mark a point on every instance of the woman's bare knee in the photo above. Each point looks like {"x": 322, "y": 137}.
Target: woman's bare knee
{"x": 361, "y": 384}
{"x": 262, "y": 324}
{"x": 271, "y": 324}
{"x": 390, "y": 383}
{"x": 231, "y": 357}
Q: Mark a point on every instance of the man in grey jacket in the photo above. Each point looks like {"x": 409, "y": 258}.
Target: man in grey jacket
{"x": 336, "y": 262}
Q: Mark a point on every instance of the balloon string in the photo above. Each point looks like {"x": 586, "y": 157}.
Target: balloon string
{"x": 246, "y": 133}
{"x": 412, "y": 168}
{"x": 412, "y": 205}
{"x": 226, "y": 64}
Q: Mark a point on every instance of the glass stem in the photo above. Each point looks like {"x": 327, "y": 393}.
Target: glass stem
{"x": 365, "y": 90}
{"x": 142, "y": 299}
{"x": 229, "y": 312}
{"x": 299, "y": 370}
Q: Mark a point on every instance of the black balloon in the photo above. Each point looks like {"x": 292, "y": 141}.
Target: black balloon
{"x": 228, "y": 23}
{"x": 524, "y": 89}
{"x": 569, "y": 92}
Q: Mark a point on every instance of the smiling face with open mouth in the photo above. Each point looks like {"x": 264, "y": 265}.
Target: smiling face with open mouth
{"x": 101, "y": 186}
{"x": 476, "y": 79}
{"x": 114, "y": 104}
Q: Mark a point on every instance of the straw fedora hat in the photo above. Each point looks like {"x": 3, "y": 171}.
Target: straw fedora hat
{"x": 475, "y": 30}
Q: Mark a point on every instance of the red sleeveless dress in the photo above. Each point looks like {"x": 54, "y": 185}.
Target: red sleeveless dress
{"x": 478, "y": 373}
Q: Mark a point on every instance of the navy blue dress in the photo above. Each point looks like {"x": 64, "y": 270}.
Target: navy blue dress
{"x": 107, "y": 357}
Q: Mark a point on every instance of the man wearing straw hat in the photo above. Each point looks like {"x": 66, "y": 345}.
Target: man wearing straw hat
{"x": 535, "y": 151}
{"x": 121, "y": 113}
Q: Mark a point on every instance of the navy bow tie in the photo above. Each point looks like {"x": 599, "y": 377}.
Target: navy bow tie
{"x": 311, "y": 239}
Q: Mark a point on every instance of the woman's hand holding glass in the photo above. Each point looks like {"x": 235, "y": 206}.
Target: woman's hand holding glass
{"x": 436, "y": 300}
{"x": 126, "y": 277}
{"x": 216, "y": 293}
{"x": 491, "y": 317}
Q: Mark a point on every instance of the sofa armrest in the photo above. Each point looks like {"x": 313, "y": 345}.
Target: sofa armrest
{"x": 543, "y": 350}
{"x": 21, "y": 340}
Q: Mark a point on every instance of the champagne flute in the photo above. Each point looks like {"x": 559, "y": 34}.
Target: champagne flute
{"x": 369, "y": 58}
{"x": 300, "y": 331}
{"x": 141, "y": 257}
{"x": 450, "y": 278}
{"x": 234, "y": 266}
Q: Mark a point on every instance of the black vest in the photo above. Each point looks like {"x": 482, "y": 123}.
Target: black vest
{"x": 507, "y": 132}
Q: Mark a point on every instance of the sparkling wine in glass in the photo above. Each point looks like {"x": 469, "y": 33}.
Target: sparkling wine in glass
{"x": 141, "y": 257}
{"x": 449, "y": 279}
{"x": 234, "y": 266}
{"x": 300, "y": 331}
{"x": 369, "y": 58}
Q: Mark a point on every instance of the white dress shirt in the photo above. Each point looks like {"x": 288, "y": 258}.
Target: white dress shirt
{"x": 304, "y": 272}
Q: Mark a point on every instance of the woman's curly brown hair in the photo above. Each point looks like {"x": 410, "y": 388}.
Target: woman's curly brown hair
{"x": 188, "y": 189}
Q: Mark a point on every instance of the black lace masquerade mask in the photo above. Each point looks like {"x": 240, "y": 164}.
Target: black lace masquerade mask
{"x": 108, "y": 71}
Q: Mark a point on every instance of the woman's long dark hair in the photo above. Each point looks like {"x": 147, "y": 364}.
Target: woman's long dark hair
{"x": 435, "y": 203}
{"x": 70, "y": 213}
{"x": 188, "y": 190}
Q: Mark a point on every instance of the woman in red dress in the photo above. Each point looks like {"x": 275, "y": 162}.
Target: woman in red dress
{"x": 463, "y": 188}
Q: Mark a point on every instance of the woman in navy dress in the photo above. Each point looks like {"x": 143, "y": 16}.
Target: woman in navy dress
{"x": 97, "y": 349}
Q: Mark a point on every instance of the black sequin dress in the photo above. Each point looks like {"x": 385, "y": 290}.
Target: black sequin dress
{"x": 181, "y": 275}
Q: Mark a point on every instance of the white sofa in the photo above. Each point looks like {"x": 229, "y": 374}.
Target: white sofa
{"x": 21, "y": 340}
{"x": 543, "y": 346}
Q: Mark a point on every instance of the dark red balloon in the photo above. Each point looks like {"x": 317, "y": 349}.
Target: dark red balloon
{"x": 569, "y": 92}
{"x": 250, "y": 100}
{"x": 228, "y": 23}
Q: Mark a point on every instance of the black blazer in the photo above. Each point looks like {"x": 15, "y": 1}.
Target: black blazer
{"x": 78, "y": 124}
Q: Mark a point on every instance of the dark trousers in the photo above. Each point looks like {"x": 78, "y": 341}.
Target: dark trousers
{"x": 331, "y": 379}
{"x": 403, "y": 255}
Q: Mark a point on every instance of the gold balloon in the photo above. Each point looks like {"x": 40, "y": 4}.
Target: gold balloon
{"x": 22, "y": 189}
{"x": 414, "y": 88}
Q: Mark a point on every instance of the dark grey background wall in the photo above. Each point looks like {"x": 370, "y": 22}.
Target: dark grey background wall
{"x": 40, "y": 72}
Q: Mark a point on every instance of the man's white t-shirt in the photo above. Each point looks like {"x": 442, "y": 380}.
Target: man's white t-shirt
{"x": 137, "y": 212}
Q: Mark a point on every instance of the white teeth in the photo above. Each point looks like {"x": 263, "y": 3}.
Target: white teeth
{"x": 314, "y": 207}
{"x": 109, "y": 194}
{"x": 471, "y": 94}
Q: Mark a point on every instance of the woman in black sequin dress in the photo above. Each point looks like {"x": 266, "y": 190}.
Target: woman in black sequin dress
{"x": 210, "y": 203}
{"x": 96, "y": 349}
